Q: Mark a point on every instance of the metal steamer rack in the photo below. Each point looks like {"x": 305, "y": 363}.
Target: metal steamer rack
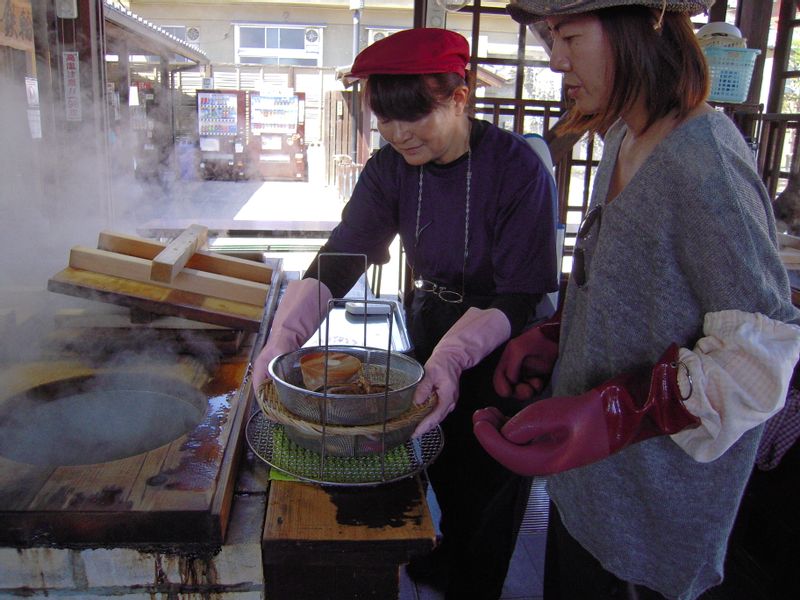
{"x": 323, "y": 447}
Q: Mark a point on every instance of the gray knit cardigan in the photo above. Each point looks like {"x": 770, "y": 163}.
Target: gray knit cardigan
{"x": 692, "y": 233}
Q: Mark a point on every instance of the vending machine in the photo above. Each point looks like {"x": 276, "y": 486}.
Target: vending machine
{"x": 222, "y": 121}
{"x": 277, "y": 136}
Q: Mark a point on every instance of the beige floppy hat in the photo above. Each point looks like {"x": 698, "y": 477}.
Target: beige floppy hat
{"x": 528, "y": 11}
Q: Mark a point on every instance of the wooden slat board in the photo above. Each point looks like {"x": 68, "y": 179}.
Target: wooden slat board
{"x": 188, "y": 280}
{"x": 156, "y": 299}
{"x": 204, "y": 261}
{"x": 212, "y": 288}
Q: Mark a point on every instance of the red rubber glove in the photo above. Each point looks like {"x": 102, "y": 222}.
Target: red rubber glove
{"x": 557, "y": 434}
{"x": 528, "y": 360}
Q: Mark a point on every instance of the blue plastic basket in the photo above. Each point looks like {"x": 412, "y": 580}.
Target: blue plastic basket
{"x": 731, "y": 70}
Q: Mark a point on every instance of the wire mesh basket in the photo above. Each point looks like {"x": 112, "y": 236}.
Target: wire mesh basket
{"x": 392, "y": 376}
{"x": 731, "y": 70}
{"x": 308, "y": 444}
{"x": 341, "y": 440}
{"x": 268, "y": 440}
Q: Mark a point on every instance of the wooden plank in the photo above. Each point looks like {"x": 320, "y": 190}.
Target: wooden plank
{"x": 788, "y": 241}
{"x": 306, "y": 515}
{"x": 188, "y": 280}
{"x": 19, "y": 484}
{"x": 156, "y": 299}
{"x": 177, "y": 253}
{"x": 211, "y": 262}
{"x": 349, "y": 542}
{"x": 91, "y": 487}
{"x": 172, "y": 480}
{"x": 232, "y": 456}
{"x": 790, "y": 258}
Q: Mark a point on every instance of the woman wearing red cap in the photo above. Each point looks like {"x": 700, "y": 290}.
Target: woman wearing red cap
{"x": 475, "y": 209}
{"x": 674, "y": 342}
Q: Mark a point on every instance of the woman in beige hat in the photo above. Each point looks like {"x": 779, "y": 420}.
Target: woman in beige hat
{"x": 676, "y": 338}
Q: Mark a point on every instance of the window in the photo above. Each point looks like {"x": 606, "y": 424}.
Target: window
{"x": 252, "y": 37}
{"x": 297, "y": 45}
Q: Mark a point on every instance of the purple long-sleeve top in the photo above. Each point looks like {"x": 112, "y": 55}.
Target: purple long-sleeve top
{"x": 511, "y": 249}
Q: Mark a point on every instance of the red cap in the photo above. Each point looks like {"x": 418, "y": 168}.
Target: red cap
{"x": 414, "y": 52}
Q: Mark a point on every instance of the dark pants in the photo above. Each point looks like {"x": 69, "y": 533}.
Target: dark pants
{"x": 482, "y": 503}
{"x": 572, "y": 573}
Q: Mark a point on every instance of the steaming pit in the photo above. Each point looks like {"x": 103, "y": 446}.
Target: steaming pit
{"x": 94, "y": 419}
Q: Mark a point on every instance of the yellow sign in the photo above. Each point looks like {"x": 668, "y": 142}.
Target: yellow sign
{"x": 16, "y": 24}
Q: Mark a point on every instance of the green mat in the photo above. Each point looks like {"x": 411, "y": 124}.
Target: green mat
{"x": 288, "y": 457}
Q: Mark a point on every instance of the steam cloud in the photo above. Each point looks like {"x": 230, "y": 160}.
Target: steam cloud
{"x": 56, "y": 193}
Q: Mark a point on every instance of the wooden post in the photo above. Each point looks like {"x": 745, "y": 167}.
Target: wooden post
{"x": 341, "y": 543}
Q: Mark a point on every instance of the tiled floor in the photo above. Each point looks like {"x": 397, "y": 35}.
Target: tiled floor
{"x": 524, "y": 579}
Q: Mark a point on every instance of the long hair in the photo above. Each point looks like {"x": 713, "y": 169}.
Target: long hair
{"x": 410, "y": 97}
{"x": 663, "y": 65}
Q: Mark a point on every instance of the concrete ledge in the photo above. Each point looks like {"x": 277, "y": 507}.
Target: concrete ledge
{"x": 36, "y": 568}
{"x": 235, "y": 572}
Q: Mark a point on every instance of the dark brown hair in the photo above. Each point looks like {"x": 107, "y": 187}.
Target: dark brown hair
{"x": 409, "y": 97}
{"x": 663, "y": 65}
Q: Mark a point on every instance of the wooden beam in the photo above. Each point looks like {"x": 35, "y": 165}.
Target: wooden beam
{"x": 177, "y": 253}
{"x": 188, "y": 280}
{"x": 210, "y": 262}
{"x": 753, "y": 19}
{"x": 790, "y": 258}
{"x": 780, "y": 59}
{"x": 718, "y": 11}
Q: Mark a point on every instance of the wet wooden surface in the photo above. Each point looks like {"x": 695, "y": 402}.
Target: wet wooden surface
{"x": 179, "y": 492}
{"x": 342, "y": 542}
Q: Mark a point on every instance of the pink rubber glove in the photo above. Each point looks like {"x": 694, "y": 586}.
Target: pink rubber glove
{"x": 301, "y": 310}
{"x": 557, "y": 434}
{"x": 528, "y": 360}
{"x": 465, "y": 344}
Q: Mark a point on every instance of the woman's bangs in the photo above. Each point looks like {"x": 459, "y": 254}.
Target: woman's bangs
{"x": 399, "y": 97}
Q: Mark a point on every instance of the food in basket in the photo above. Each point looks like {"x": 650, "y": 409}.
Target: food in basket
{"x": 343, "y": 368}
{"x": 364, "y": 400}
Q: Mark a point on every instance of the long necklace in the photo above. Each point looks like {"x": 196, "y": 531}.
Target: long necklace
{"x": 428, "y": 286}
